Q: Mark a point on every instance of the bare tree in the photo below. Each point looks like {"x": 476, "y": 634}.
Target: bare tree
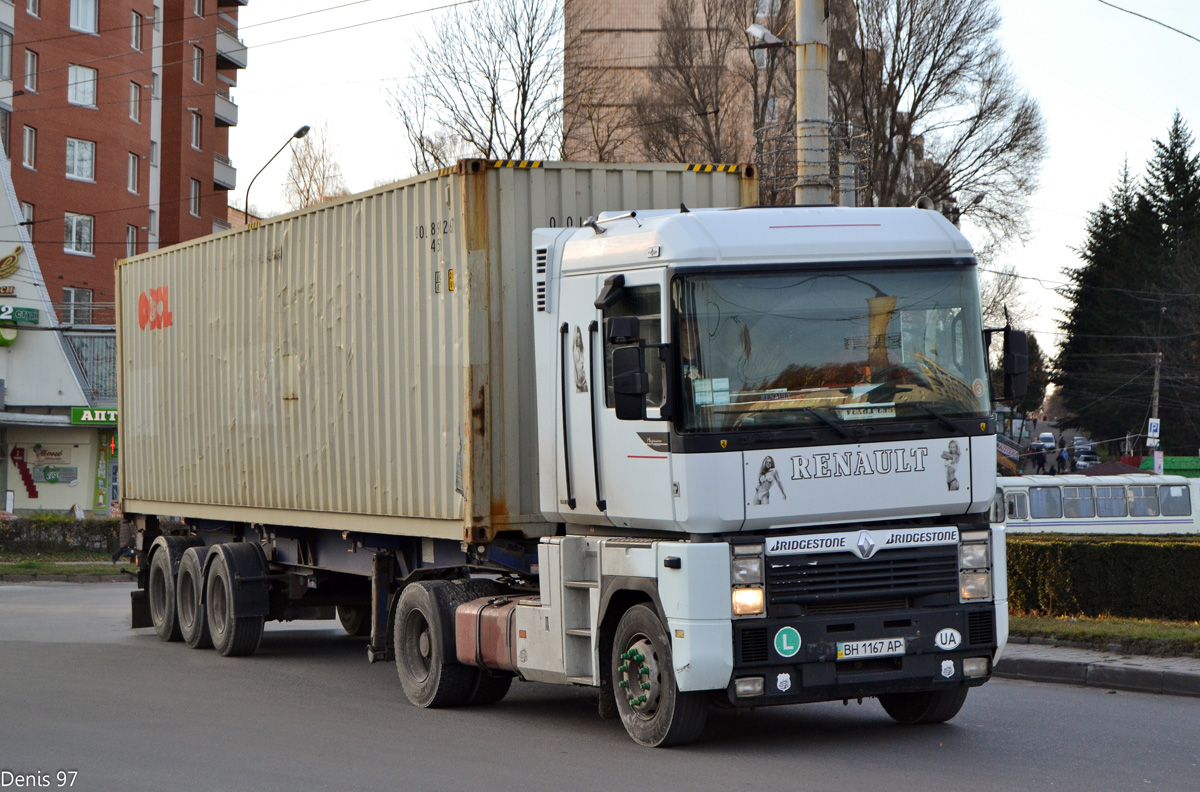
{"x": 314, "y": 176}
{"x": 693, "y": 109}
{"x": 1002, "y": 295}
{"x": 941, "y": 111}
{"x": 490, "y": 85}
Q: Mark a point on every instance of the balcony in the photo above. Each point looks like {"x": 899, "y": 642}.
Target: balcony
{"x": 96, "y": 356}
{"x": 231, "y": 52}
{"x": 231, "y": 3}
{"x": 224, "y": 174}
{"x": 226, "y": 112}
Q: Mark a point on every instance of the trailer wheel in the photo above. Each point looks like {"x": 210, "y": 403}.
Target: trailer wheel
{"x": 231, "y": 637}
{"x": 355, "y": 619}
{"x": 425, "y": 658}
{"x": 161, "y": 585}
{"x": 655, "y": 712}
{"x": 189, "y": 589}
{"x": 928, "y": 706}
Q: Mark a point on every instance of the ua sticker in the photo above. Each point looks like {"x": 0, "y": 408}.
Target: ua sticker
{"x": 948, "y": 639}
{"x": 787, "y": 642}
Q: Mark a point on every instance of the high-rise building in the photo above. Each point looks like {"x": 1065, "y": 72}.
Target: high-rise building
{"x": 118, "y": 132}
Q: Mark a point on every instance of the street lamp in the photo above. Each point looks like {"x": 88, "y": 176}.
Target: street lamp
{"x": 299, "y": 133}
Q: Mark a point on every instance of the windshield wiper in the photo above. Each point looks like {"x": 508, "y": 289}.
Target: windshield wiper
{"x": 934, "y": 413}
{"x": 840, "y": 430}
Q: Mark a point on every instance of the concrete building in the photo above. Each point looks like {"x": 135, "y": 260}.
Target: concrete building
{"x": 115, "y": 117}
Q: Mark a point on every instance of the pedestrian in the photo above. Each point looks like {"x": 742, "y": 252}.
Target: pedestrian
{"x": 1062, "y": 461}
{"x": 1039, "y": 461}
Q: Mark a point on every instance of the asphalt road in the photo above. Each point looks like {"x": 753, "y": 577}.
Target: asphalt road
{"x": 79, "y": 691}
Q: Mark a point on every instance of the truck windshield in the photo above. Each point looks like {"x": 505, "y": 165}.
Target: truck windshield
{"x": 771, "y": 350}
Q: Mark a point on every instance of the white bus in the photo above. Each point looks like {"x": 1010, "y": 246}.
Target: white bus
{"x": 1077, "y": 504}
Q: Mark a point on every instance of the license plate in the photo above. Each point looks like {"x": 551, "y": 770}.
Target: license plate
{"x": 858, "y": 650}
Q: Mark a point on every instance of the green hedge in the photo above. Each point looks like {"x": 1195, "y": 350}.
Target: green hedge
{"x": 55, "y": 532}
{"x": 1129, "y": 577}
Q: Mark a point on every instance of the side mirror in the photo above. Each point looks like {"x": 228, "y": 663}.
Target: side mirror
{"x": 630, "y": 383}
{"x": 1016, "y": 363}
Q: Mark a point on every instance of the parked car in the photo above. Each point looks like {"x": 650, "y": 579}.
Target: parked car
{"x": 1088, "y": 459}
{"x": 1046, "y": 439}
{"x": 1076, "y": 442}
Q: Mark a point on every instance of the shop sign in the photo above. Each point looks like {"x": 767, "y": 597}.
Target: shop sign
{"x": 86, "y": 416}
{"x": 49, "y": 455}
{"x": 53, "y": 474}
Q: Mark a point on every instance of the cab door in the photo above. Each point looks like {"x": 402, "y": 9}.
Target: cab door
{"x": 635, "y": 480}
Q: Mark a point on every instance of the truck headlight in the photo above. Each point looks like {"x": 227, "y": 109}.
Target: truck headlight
{"x": 975, "y": 585}
{"x": 748, "y": 601}
{"x": 973, "y": 555}
{"x": 746, "y": 570}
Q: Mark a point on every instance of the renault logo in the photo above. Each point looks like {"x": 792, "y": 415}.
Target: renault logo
{"x": 866, "y": 545}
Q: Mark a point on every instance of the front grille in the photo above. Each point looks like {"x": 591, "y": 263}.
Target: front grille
{"x": 823, "y": 578}
{"x": 754, "y": 645}
{"x": 981, "y": 628}
{"x": 865, "y": 606}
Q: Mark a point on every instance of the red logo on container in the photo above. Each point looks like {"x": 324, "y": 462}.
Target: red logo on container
{"x": 154, "y": 311}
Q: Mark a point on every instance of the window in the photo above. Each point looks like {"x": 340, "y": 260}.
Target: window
{"x": 27, "y": 212}
{"x": 154, "y": 153}
{"x": 1176, "y": 500}
{"x": 33, "y": 7}
{"x": 31, "y": 70}
{"x": 81, "y": 159}
{"x": 83, "y": 15}
{"x": 198, "y": 65}
{"x": 135, "y": 31}
{"x": 132, "y": 180}
{"x": 157, "y": 18}
{"x": 194, "y": 199}
{"x": 78, "y": 237}
{"x": 1110, "y": 501}
{"x": 1018, "y": 506}
{"x": 153, "y": 224}
{"x": 5, "y": 122}
{"x": 155, "y": 85}
{"x": 77, "y": 305}
{"x": 644, "y": 302}
{"x": 81, "y": 86}
{"x": 196, "y": 130}
{"x": 135, "y": 101}
{"x": 764, "y": 8}
{"x": 29, "y": 154}
{"x": 199, "y": 7}
{"x": 130, "y": 241}
{"x": 1143, "y": 501}
{"x": 1077, "y": 502}
{"x": 5, "y": 55}
{"x": 1045, "y": 502}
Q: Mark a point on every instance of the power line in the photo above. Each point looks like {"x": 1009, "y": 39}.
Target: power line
{"x": 1149, "y": 19}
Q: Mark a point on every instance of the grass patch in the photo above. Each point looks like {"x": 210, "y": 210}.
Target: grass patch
{"x": 42, "y": 567}
{"x": 1154, "y": 637}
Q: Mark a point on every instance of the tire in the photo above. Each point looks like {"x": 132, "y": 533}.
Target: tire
{"x": 660, "y": 714}
{"x": 355, "y": 619}
{"x": 425, "y": 657}
{"x": 490, "y": 688}
{"x": 231, "y": 637}
{"x": 927, "y": 706}
{"x": 189, "y": 588}
{"x": 160, "y": 589}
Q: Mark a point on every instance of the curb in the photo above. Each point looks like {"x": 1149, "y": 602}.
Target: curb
{"x": 66, "y": 579}
{"x": 1099, "y": 675}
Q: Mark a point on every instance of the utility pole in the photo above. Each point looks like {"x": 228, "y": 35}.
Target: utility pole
{"x": 813, "y": 180}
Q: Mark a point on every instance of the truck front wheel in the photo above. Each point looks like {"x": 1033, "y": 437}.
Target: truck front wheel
{"x": 928, "y": 706}
{"x": 655, "y": 712}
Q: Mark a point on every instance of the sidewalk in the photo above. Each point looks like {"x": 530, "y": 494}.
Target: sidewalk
{"x": 1036, "y": 662}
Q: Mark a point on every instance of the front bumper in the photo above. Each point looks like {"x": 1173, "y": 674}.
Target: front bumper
{"x": 814, "y": 673}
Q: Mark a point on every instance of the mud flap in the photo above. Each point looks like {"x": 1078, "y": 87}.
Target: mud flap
{"x": 248, "y": 568}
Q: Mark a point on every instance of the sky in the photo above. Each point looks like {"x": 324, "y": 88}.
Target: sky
{"x": 1108, "y": 83}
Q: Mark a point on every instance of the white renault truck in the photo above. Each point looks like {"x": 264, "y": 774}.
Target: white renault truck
{"x": 687, "y": 456}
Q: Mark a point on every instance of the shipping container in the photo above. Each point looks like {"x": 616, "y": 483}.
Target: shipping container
{"x": 365, "y": 364}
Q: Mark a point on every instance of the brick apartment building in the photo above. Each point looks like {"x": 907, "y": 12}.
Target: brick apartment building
{"x": 118, "y": 133}
{"x": 115, "y": 117}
